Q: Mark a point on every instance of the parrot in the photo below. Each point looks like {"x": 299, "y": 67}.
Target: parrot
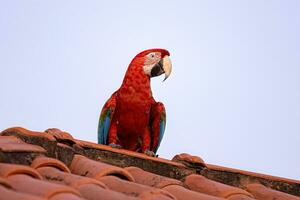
{"x": 131, "y": 119}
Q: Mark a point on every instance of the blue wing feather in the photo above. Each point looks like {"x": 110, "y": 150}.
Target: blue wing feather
{"x": 158, "y": 116}
{"x": 104, "y": 124}
{"x": 100, "y": 133}
{"x": 105, "y": 119}
{"x": 162, "y": 126}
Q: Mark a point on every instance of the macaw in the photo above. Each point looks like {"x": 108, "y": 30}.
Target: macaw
{"x": 131, "y": 118}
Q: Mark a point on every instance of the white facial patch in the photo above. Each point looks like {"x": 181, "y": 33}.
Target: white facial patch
{"x": 151, "y": 59}
{"x": 147, "y": 69}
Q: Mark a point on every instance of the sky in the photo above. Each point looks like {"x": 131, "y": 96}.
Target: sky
{"x": 233, "y": 95}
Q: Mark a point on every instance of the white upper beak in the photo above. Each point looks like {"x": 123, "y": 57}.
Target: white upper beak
{"x": 167, "y": 66}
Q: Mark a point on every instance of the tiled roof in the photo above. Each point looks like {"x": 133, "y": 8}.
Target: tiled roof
{"x": 53, "y": 165}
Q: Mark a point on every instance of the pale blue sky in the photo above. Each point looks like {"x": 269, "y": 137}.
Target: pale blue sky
{"x": 232, "y": 99}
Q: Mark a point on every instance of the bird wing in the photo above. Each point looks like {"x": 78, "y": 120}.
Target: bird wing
{"x": 158, "y": 116}
{"x": 105, "y": 119}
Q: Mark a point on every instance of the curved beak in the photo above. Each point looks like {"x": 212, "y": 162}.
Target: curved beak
{"x": 163, "y": 66}
{"x": 167, "y": 67}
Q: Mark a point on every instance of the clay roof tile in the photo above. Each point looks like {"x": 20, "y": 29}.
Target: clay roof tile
{"x": 22, "y": 132}
{"x": 90, "y": 168}
{"x": 157, "y": 195}
{"x": 13, "y": 144}
{"x": 93, "y": 192}
{"x": 89, "y": 188}
{"x": 27, "y": 184}
{"x": 64, "y": 196}
{"x": 182, "y": 193}
{"x": 150, "y": 179}
{"x": 61, "y": 136}
{"x": 201, "y": 184}
{"x": 131, "y": 188}
{"x": 53, "y": 165}
{"x": 239, "y": 197}
{"x": 7, "y": 170}
{"x": 4, "y": 183}
{"x": 9, "y": 194}
{"x": 189, "y": 160}
{"x": 55, "y": 175}
{"x": 261, "y": 192}
{"x": 43, "y": 161}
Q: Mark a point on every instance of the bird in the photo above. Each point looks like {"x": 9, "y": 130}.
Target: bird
{"x": 131, "y": 118}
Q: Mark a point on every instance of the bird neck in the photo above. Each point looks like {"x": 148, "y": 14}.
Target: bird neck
{"x": 136, "y": 84}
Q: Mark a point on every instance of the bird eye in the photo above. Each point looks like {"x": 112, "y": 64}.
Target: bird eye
{"x": 152, "y": 55}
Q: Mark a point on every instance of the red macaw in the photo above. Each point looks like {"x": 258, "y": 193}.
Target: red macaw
{"x": 131, "y": 118}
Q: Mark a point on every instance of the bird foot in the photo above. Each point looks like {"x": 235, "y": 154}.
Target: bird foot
{"x": 117, "y": 146}
{"x": 150, "y": 153}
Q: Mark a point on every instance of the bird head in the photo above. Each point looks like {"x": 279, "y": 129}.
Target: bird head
{"x": 154, "y": 62}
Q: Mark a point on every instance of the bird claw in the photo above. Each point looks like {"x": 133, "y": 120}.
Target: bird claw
{"x": 117, "y": 146}
{"x": 150, "y": 153}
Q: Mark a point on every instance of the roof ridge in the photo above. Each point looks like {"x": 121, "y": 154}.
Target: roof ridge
{"x": 62, "y": 146}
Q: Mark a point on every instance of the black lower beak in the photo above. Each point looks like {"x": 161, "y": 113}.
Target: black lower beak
{"x": 157, "y": 69}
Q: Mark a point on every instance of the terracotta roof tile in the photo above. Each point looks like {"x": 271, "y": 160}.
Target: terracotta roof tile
{"x": 201, "y": 184}
{"x": 261, "y": 192}
{"x": 61, "y": 136}
{"x": 13, "y": 144}
{"x": 63, "y": 196}
{"x": 53, "y": 165}
{"x": 4, "y": 183}
{"x": 27, "y": 184}
{"x": 90, "y": 168}
{"x": 239, "y": 197}
{"x": 89, "y": 188}
{"x": 22, "y": 132}
{"x": 131, "y": 188}
{"x": 10, "y": 194}
{"x": 93, "y": 192}
{"x": 7, "y": 170}
{"x": 182, "y": 193}
{"x": 156, "y": 195}
{"x": 42, "y": 139}
{"x": 189, "y": 160}
{"x": 150, "y": 179}
{"x": 55, "y": 175}
{"x": 43, "y": 161}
